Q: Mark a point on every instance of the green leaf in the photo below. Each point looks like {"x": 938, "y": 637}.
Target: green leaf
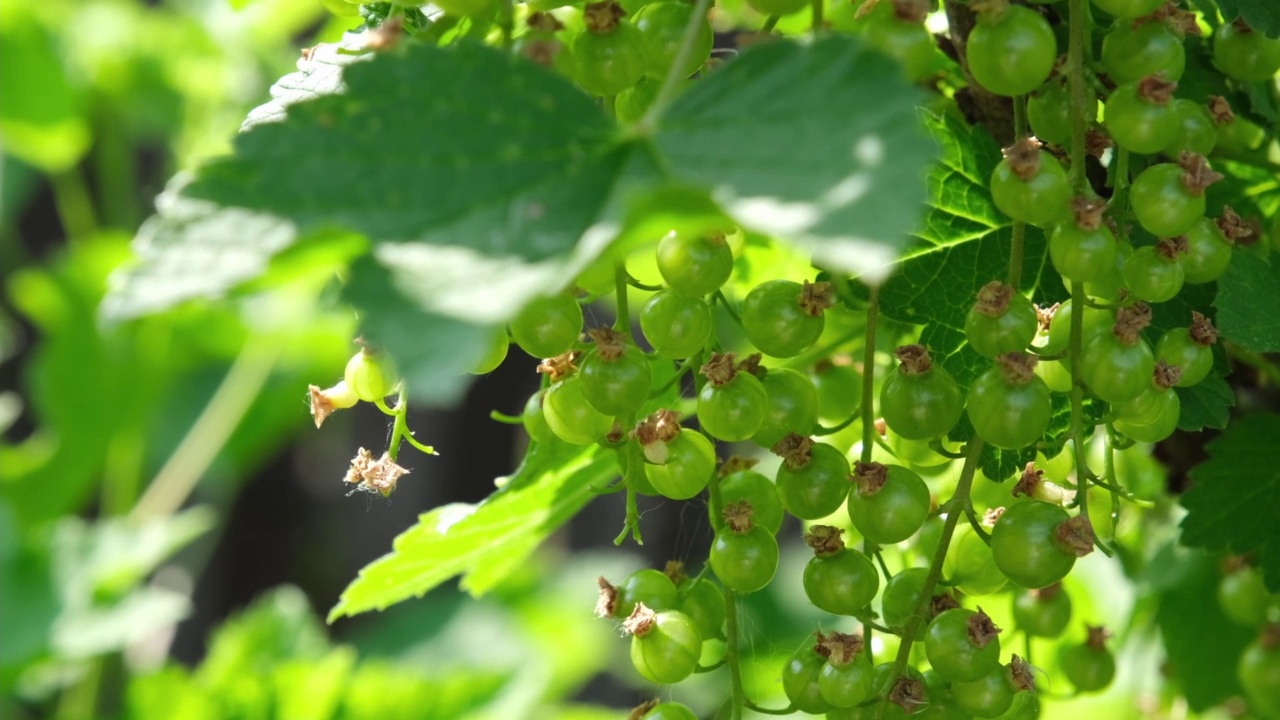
{"x": 385, "y": 691}
{"x": 848, "y": 187}
{"x": 279, "y": 626}
{"x": 1248, "y": 303}
{"x": 1262, "y": 15}
{"x": 1201, "y": 644}
{"x": 1235, "y": 499}
{"x": 41, "y": 118}
{"x": 1206, "y": 404}
{"x": 484, "y": 543}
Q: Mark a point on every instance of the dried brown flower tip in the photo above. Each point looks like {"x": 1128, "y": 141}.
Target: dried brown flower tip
{"x": 641, "y": 621}
{"x": 825, "y": 540}
{"x": 1202, "y": 331}
{"x": 869, "y": 477}
{"x": 1075, "y": 535}
{"x": 720, "y": 369}
{"x": 816, "y": 297}
{"x": 736, "y": 463}
{"x": 607, "y": 601}
{"x": 794, "y": 449}
{"x": 993, "y": 299}
{"x": 981, "y": 629}
{"x": 1166, "y": 375}
{"x": 1220, "y": 110}
{"x": 371, "y": 475}
{"x": 737, "y": 516}
{"x": 1024, "y": 157}
{"x": 610, "y": 344}
{"x": 1088, "y": 211}
{"x": 1155, "y": 89}
{"x": 1131, "y": 321}
{"x": 559, "y": 366}
{"x": 1030, "y": 480}
{"x": 1018, "y": 368}
{"x": 602, "y": 18}
{"x": 913, "y": 359}
{"x": 1233, "y": 228}
{"x": 838, "y": 648}
{"x": 1197, "y": 175}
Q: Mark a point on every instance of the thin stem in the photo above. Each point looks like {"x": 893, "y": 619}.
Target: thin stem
{"x": 1077, "y": 28}
{"x": 505, "y": 418}
{"x": 788, "y": 710}
{"x": 641, "y": 286}
{"x": 1077, "y": 397}
{"x": 1020, "y": 130}
{"x": 622, "y": 323}
{"x": 210, "y": 432}
{"x": 1265, "y": 367}
{"x": 954, "y": 508}
{"x": 400, "y": 429}
{"x": 977, "y": 526}
{"x": 1120, "y": 193}
{"x": 738, "y": 694}
{"x": 769, "y": 24}
{"x": 684, "y": 367}
{"x": 1109, "y": 472}
{"x": 809, "y": 356}
{"x": 634, "y": 464}
{"x": 869, "y": 375}
{"x": 1019, "y": 240}
{"x": 719, "y": 297}
{"x": 884, "y": 567}
{"x": 75, "y": 204}
{"x": 818, "y": 21}
{"x": 666, "y": 93}
{"x": 838, "y": 426}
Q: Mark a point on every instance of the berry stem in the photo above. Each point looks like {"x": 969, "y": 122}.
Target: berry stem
{"x": 666, "y": 92}
{"x": 1109, "y": 472}
{"x": 1083, "y": 475}
{"x": 739, "y": 695}
{"x": 719, "y": 297}
{"x": 1078, "y": 22}
{"x": 1264, "y": 366}
{"x": 1019, "y": 229}
{"x": 869, "y": 375}
{"x": 818, "y": 20}
{"x": 622, "y": 323}
{"x": 634, "y": 465}
{"x": 954, "y": 508}
{"x": 1120, "y": 195}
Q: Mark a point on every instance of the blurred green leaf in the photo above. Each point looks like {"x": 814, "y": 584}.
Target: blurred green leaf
{"x": 312, "y": 690}
{"x": 384, "y": 690}
{"x": 856, "y": 158}
{"x": 486, "y": 542}
{"x": 1248, "y": 303}
{"x": 1234, "y": 500}
{"x": 278, "y": 626}
{"x": 1262, "y": 15}
{"x": 83, "y": 631}
{"x": 41, "y": 119}
{"x": 1206, "y": 404}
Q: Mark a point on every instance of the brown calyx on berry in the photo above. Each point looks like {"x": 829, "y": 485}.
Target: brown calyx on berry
{"x": 641, "y": 621}
{"x": 1024, "y": 157}
{"x": 610, "y": 344}
{"x": 720, "y": 370}
{"x": 942, "y": 603}
{"x": 993, "y": 299}
{"x": 869, "y": 477}
{"x": 1241, "y": 26}
{"x": 1075, "y": 535}
{"x": 751, "y": 365}
{"x": 1171, "y": 248}
{"x": 1180, "y": 22}
{"x": 559, "y": 366}
{"x": 912, "y": 11}
{"x": 737, "y": 515}
{"x": 654, "y": 432}
{"x": 1029, "y": 482}
{"x": 386, "y": 36}
{"x": 838, "y": 648}
{"x": 991, "y": 517}
{"x": 1166, "y": 375}
{"x": 1096, "y": 142}
{"x": 825, "y": 540}
{"x": 674, "y": 569}
{"x": 1196, "y": 173}
{"x": 913, "y": 359}
{"x": 1220, "y": 110}
{"x": 371, "y": 475}
{"x": 795, "y": 450}
{"x": 542, "y": 51}
{"x": 736, "y": 463}
{"x": 639, "y": 711}
{"x": 1233, "y": 228}
{"x": 1017, "y": 368}
{"x": 815, "y": 297}
{"x": 1088, "y": 211}
{"x": 1270, "y": 637}
{"x": 602, "y": 18}
{"x": 1155, "y": 89}
{"x": 1044, "y": 315}
{"x": 607, "y": 601}
{"x": 1021, "y": 675}
{"x": 1202, "y": 331}
{"x": 1097, "y": 637}
{"x": 981, "y": 629}
{"x": 909, "y": 694}
{"x": 1131, "y": 321}
{"x": 329, "y": 400}
{"x": 543, "y": 22}
{"x": 1048, "y": 592}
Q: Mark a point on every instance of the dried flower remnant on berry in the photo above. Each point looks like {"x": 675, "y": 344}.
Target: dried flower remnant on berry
{"x": 909, "y": 694}
{"x": 869, "y": 477}
{"x": 1075, "y": 535}
{"x": 838, "y": 648}
{"x": 325, "y": 402}
{"x": 736, "y": 463}
{"x": 1021, "y": 674}
{"x": 654, "y": 432}
{"x": 559, "y": 366}
{"x": 795, "y": 450}
{"x": 607, "y": 601}
{"x": 825, "y": 540}
{"x": 371, "y": 475}
{"x": 720, "y": 370}
{"x": 1024, "y": 158}
{"x": 981, "y": 629}
{"x": 1196, "y": 173}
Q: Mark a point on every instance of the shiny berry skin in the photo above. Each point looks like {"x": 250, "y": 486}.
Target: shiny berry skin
{"x": 691, "y": 458}
{"x": 1042, "y": 613}
{"x": 1025, "y": 546}
{"x": 494, "y": 354}
{"x": 369, "y": 376}
{"x": 775, "y": 320}
{"x": 1089, "y": 669}
{"x": 958, "y": 647}
{"x": 1009, "y": 413}
{"x": 1243, "y": 597}
{"x": 1195, "y": 360}
{"x": 1151, "y": 277}
{"x": 1082, "y": 254}
{"x": 647, "y": 586}
{"x": 1159, "y": 420}
{"x": 609, "y": 62}
{"x": 1196, "y": 130}
{"x": 845, "y": 686}
{"x": 1011, "y": 51}
{"x": 793, "y": 406}
{"x": 969, "y": 564}
{"x": 817, "y": 488}
{"x": 1163, "y": 204}
{"x": 703, "y": 602}
{"x": 669, "y": 711}
{"x": 800, "y": 678}
{"x": 1245, "y": 56}
{"x": 616, "y": 385}
{"x": 758, "y": 491}
{"x": 892, "y": 512}
{"x": 668, "y": 652}
{"x": 548, "y": 326}
{"x": 1131, "y": 53}
{"x": 1127, "y": 8}
{"x": 694, "y": 265}
{"x": 534, "y": 421}
{"x": 842, "y": 583}
{"x": 745, "y": 561}
{"x": 662, "y": 24}
{"x": 733, "y": 411}
{"x": 1096, "y": 322}
{"x": 1115, "y": 371}
{"x": 920, "y": 406}
{"x": 1208, "y": 252}
{"x": 1139, "y": 124}
{"x": 1010, "y": 330}
{"x": 1259, "y": 673}
{"x": 676, "y": 325}
{"x": 903, "y": 595}
{"x": 987, "y": 697}
{"x": 839, "y": 389}
{"x": 571, "y": 417}
{"x": 1049, "y": 112}
{"x": 1042, "y": 200}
